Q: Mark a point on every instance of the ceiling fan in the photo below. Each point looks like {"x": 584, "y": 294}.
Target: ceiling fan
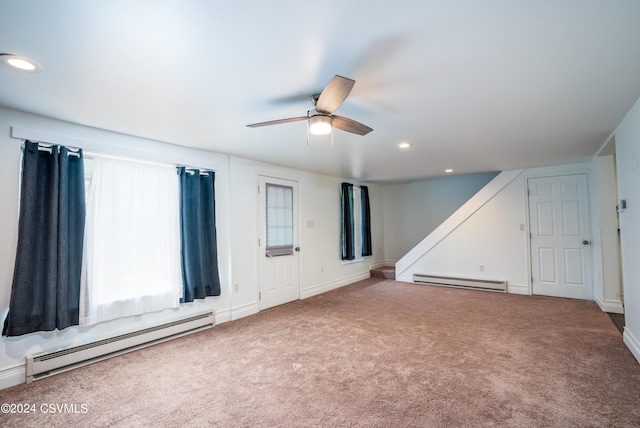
{"x": 321, "y": 119}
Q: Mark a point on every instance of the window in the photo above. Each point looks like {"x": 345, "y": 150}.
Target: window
{"x": 147, "y": 242}
{"x": 355, "y": 222}
{"x": 279, "y": 222}
{"x": 132, "y": 240}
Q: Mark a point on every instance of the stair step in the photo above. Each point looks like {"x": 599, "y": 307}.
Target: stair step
{"x": 386, "y": 272}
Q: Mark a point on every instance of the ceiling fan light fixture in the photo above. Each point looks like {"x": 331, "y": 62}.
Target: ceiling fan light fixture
{"x": 320, "y": 124}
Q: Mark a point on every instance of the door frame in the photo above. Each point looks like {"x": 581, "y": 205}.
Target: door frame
{"x": 554, "y": 171}
{"x": 260, "y": 238}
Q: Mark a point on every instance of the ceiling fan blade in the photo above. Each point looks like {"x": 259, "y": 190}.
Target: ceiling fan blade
{"x": 350, "y": 125}
{"x": 277, "y": 122}
{"x": 334, "y": 94}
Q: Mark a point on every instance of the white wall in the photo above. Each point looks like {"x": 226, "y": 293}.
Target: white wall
{"x": 627, "y": 137}
{"x": 492, "y": 237}
{"x": 236, "y": 208}
{"x": 413, "y": 210}
{"x": 319, "y": 201}
{"x": 604, "y": 242}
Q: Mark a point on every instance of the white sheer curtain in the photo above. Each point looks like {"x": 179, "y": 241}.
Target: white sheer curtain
{"x": 132, "y": 241}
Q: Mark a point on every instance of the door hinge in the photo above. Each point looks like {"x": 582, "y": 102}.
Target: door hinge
{"x": 259, "y": 295}
{"x": 258, "y": 188}
{"x": 258, "y": 242}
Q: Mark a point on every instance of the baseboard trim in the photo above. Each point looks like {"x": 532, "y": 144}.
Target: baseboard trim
{"x": 518, "y": 289}
{"x": 378, "y": 264}
{"x": 632, "y": 343}
{"x": 12, "y": 376}
{"x": 244, "y": 311}
{"x": 328, "y": 286}
{"x": 612, "y": 306}
{"x": 222, "y": 316}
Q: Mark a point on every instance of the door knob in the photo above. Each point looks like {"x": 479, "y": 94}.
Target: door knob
{"x": 585, "y": 242}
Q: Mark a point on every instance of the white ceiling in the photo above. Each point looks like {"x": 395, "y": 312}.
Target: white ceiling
{"x": 473, "y": 85}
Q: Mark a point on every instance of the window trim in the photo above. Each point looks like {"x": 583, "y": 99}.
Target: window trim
{"x": 277, "y": 250}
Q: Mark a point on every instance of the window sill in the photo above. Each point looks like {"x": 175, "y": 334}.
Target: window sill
{"x": 348, "y": 262}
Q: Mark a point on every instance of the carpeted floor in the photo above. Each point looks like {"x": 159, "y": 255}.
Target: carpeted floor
{"x": 377, "y": 353}
{"x": 618, "y": 321}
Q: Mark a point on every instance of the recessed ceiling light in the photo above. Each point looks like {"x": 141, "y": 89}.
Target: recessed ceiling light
{"x": 448, "y": 170}
{"x": 404, "y": 145}
{"x": 20, "y": 63}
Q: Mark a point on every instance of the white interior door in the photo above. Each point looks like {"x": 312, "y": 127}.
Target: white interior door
{"x": 560, "y": 236}
{"x": 278, "y": 242}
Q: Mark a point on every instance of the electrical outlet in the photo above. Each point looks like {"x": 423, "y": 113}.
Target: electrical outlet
{"x": 236, "y": 287}
{"x": 321, "y": 269}
{"x": 481, "y": 268}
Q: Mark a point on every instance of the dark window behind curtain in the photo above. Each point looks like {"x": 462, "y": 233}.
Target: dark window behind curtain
{"x": 346, "y": 221}
{"x": 366, "y": 221}
{"x": 45, "y": 293}
{"x": 199, "y": 250}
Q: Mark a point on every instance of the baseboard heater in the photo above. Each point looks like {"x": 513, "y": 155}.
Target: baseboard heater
{"x": 47, "y": 364}
{"x": 475, "y": 284}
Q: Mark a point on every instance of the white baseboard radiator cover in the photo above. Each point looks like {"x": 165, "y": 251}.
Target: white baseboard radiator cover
{"x": 47, "y": 364}
{"x": 475, "y": 284}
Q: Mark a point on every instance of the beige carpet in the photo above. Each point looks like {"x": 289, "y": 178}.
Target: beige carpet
{"x": 377, "y": 353}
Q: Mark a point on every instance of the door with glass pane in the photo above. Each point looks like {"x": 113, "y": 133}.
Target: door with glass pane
{"x": 278, "y": 242}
